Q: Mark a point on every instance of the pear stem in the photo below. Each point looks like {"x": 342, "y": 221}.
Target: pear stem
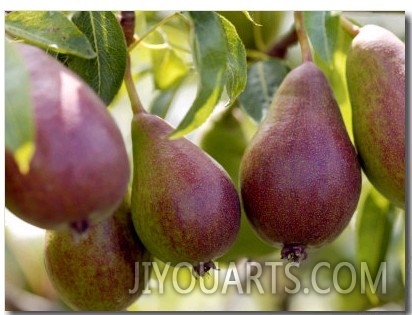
{"x": 127, "y": 22}
{"x": 302, "y": 37}
{"x": 349, "y": 27}
{"x": 135, "y": 102}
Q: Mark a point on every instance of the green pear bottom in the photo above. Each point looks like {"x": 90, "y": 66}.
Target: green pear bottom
{"x": 95, "y": 271}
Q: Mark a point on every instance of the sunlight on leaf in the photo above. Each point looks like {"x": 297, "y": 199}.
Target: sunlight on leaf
{"x": 105, "y": 72}
{"x": 250, "y": 18}
{"x": 210, "y": 56}
{"x": 329, "y": 54}
{"x": 51, "y": 30}
{"x": 322, "y": 28}
{"x": 23, "y": 156}
{"x": 236, "y": 73}
{"x": 168, "y": 67}
{"x": 19, "y": 124}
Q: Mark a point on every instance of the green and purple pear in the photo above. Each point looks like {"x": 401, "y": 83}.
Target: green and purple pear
{"x": 185, "y": 207}
{"x": 375, "y": 73}
{"x": 80, "y": 170}
{"x": 300, "y": 178}
{"x": 102, "y": 270}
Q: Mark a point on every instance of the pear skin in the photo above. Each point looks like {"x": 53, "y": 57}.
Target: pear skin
{"x": 375, "y": 73}
{"x": 300, "y": 178}
{"x": 80, "y": 169}
{"x": 96, "y": 271}
{"x": 185, "y": 207}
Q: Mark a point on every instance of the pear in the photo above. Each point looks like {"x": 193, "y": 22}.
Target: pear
{"x": 300, "y": 178}
{"x": 375, "y": 73}
{"x": 185, "y": 207}
{"x": 95, "y": 272}
{"x": 80, "y": 170}
{"x": 225, "y": 139}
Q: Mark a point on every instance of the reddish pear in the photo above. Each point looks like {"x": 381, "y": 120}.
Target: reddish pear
{"x": 80, "y": 169}
{"x": 300, "y": 178}
{"x": 185, "y": 207}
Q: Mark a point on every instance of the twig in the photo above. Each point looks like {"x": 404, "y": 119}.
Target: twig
{"x": 127, "y": 21}
{"x": 349, "y": 27}
{"x": 302, "y": 37}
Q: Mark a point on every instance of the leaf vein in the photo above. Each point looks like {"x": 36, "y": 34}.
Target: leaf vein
{"x": 96, "y": 47}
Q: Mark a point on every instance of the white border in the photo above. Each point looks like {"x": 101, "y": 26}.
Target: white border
{"x": 257, "y": 5}
{"x": 264, "y": 5}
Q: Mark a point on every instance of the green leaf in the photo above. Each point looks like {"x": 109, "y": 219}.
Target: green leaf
{"x": 374, "y": 229}
{"x": 168, "y": 67}
{"x": 19, "y": 124}
{"x": 236, "y": 72}
{"x": 161, "y": 103}
{"x": 322, "y": 29}
{"x": 335, "y": 69}
{"x": 263, "y": 80}
{"x": 210, "y": 57}
{"x": 104, "y": 73}
{"x": 50, "y": 30}
{"x": 250, "y": 18}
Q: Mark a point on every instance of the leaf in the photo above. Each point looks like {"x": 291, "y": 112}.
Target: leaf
{"x": 105, "y": 72}
{"x": 161, "y": 103}
{"x": 19, "y": 123}
{"x": 322, "y": 29}
{"x": 335, "y": 69}
{"x": 210, "y": 57}
{"x": 50, "y": 30}
{"x": 250, "y": 18}
{"x": 374, "y": 228}
{"x": 236, "y": 72}
{"x": 263, "y": 79}
{"x": 168, "y": 67}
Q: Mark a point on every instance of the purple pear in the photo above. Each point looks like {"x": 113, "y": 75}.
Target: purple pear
{"x": 300, "y": 178}
{"x": 185, "y": 207}
{"x": 80, "y": 170}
